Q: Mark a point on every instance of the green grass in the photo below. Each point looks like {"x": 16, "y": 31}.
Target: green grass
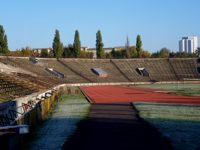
{"x": 74, "y": 96}
{"x": 62, "y": 123}
{"x": 179, "y": 123}
{"x": 178, "y": 89}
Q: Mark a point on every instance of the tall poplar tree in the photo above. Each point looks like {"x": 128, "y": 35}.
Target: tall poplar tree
{"x": 57, "y": 45}
{"x": 3, "y": 41}
{"x": 77, "y": 44}
{"x": 138, "y": 45}
{"x": 99, "y": 45}
{"x": 127, "y": 47}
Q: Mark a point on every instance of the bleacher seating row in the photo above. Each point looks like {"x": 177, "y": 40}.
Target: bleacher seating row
{"x": 185, "y": 68}
{"x": 159, "y": 69}
{"x": 83, "y": 67}
{"x": 79, "y": 71}
{"x": 11, "y": 87}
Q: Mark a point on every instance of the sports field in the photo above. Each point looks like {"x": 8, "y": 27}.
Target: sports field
{"x": 119, "y": 94}
{"x": 174, "y": 109}
{"x": 178, "y": 89}
{"x": 179, "y": 123}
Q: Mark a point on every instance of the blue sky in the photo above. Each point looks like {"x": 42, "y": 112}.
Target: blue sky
{"x": 161, "y": 23}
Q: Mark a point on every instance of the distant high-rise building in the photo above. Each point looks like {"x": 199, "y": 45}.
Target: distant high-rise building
{"x": 188, "y": 44}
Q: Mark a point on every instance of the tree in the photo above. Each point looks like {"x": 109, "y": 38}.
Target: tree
{"x": 77, "y": 44}
{"x": 26, "y": 52}
{"x": 164, "y": 53}
{"x": 3, "y": 41}
{"x": 138, "y": 45}
{"x": 57, "y": 45}
{"x": 99, "y": 45}
{"x": 85, "y": 54}
{"x": 127, "y": 46}
{"x": 198, "y": 52}
{"x": 68, "y": 51}
{"x": 44, "y": 53}
{"x": 172, "y": 55}
{"x": 145, "y": 54}
{"x": 133, "y": 52}
{"x": 155, "y": 54}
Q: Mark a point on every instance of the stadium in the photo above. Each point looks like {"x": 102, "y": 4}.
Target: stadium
{"x": 148, "y": 103}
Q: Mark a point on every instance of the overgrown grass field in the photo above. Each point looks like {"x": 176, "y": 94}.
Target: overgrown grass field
{"x": 179, "y": 123}
{"x": 178, "y": 89}
{"x": 70, "y": 110}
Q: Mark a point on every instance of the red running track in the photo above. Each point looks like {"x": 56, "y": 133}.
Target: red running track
{"x": 119, "y": 94}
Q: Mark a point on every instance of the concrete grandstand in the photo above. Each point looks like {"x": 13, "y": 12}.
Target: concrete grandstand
{"x": 26, "y": 84}
{"x": 118, "y": 70}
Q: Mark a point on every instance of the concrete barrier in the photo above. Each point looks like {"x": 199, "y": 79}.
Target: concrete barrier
{"x": 30, "y": 110}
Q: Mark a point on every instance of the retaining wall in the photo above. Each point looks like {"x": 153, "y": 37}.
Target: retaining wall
{"x": 30, "y": 110}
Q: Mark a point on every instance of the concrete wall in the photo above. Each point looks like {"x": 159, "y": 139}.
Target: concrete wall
{"x": 30, "y": 110}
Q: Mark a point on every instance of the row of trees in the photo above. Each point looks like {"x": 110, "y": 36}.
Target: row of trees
{"x": 74, "y": 50}
{"x": 68, "y": 51}
{"x": 163, "y": 53}
{"x": 167, "y": 53}
{"x": 130, "y": 51}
